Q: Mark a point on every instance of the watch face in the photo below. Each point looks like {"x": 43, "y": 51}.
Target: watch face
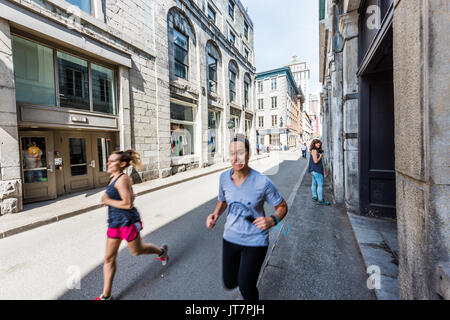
{"x": 250, "y": 219}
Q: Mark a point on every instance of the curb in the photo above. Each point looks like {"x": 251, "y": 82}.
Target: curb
{"x": 377, "y": 292}
{"x": 374, "y": 292}
{"x": 40, "y": 223}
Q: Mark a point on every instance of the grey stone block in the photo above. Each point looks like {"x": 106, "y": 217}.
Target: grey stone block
{"x": 9, "y": 189}
{"x": 10, "y": 205}
{"x": 164, "y": 173}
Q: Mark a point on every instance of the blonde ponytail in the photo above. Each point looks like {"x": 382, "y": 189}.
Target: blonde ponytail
{"x": 135, "y": 159}
{"x": 131, "y": 157}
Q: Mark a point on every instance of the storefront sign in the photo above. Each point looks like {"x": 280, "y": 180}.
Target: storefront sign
{"x": 78, "y": 119}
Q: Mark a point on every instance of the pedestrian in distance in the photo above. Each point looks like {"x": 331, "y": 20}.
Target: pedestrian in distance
{"x": 316, "y": 169}
{"x": 304, "y": 149}
{"x": 124, "y": 221}
{"x": 243, "y": 191}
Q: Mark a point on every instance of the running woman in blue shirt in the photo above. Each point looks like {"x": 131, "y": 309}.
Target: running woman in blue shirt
{"x": 246, "y": 237}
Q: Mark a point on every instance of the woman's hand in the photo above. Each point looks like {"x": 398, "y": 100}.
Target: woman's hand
{"x": 264, "y": 223}
{"x": 104, "y": 199}
{"x": 211, "y": 221}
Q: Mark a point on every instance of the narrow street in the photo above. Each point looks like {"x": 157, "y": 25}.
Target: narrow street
{"x": 64, "y": 260}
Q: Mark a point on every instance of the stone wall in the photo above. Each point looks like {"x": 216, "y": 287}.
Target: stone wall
{"x": 422, "y": 95}
{"x": 10, "y": 180}
{"x": 348, "y": 25}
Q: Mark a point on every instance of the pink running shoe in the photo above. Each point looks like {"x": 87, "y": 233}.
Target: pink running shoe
{"x": 103, "y": 298}
{"x": 164, "y": 258}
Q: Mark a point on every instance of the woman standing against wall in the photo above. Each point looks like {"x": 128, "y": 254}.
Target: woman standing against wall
{"x": 316, "y": 170}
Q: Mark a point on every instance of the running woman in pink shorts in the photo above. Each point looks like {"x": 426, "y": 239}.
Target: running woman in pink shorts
{"x": 124, "y": 221}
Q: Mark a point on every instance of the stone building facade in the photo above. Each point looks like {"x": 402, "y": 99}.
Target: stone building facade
{"x": 278, "y": 109}
{"x": 302, "y": 76}
{"x": 82, "y": 78}
{"x": 384, "y": 66}
{"x": 316, "y": 123}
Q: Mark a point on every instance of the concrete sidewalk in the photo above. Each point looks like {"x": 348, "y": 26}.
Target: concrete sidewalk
{"x": 42, "y": 213}
{"x": 323, "y": 252}
{"x": 377, "y": 241}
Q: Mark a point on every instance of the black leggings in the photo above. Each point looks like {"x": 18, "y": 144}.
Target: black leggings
{"x": 241, "y": 266}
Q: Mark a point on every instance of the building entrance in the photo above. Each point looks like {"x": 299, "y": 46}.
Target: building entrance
{"x": 55, "y": 163}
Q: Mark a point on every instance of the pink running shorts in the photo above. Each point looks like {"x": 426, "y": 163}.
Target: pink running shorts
{"x": 128, "y": 233}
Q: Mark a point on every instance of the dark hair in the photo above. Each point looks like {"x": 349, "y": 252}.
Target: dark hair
{"x": 131, "y": 157}
{"x": 313, "y": 144}
{"x": 241, "y": 138}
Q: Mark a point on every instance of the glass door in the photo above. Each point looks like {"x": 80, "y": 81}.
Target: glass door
{"x": 78, "y": 174}
{"x": 38, "y": 169}
{"x": 103, "y": 144}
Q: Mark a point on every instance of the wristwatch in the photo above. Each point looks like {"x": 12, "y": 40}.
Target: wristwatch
{"x": 275, "y": 219}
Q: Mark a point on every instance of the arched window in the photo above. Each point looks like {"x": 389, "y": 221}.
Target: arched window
{"x": 213, "y": 60}
{"x": 181, "y": 37}
{"x": 233, "y": 73}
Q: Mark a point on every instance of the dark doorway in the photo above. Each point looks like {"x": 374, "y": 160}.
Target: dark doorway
{"x": 377, "y": 150}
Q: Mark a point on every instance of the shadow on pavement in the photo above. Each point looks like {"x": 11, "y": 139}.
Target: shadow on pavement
{"x": 194, "y": 271}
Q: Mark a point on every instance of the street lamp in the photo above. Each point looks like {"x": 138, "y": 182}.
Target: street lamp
{"x": 230, "y": 124}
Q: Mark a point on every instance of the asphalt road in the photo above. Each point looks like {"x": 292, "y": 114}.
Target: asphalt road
{"x": 64, "y": 260}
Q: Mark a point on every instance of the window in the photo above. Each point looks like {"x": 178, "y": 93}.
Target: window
{"x": 246, "y": 86}
{"x": 274, "y": 121}
{"x": 275, "y": 139}
{"x": 212, "y": 73}
{"x": 261, "y": 122}
{"x": 182, "y": 129}
{"x": 181, "y": 113}
{"x": 246, "y": 30}
{"x": 73, "y": 75}
{"x": 181, "y": 139}
{"x": 181, "y": 54}
{"x": 274, "y": 84}
{"x": 261, "y": 86}
{"x": 246, "y": 54}
{"x": 103, "y": 89}
{"x": 260, "y": 104}
{"x": 84, "y": 5}
{"x": 211, "y": 14}
{"x": 104, "y": 151}
{"x": 248, "y": 127}
{"x": 274, "y": 102}
{"x": 232, "y": 86}
{"x": 231, "y": 9}
{"x": 213, "y": 126}
{"x": 33, "y": 72}
{"x": 236, "y": 122}
{"x": 232, "y": 38}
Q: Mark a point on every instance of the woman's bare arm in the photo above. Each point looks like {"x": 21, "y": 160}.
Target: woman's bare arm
{"x": 123, "y": 186}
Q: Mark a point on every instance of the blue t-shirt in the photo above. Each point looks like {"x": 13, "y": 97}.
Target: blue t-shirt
{"x": 247, "y": 200}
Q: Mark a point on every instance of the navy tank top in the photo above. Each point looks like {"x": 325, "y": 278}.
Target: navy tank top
{"x": 316, "y": 167}
{"x": 120, "y": 217}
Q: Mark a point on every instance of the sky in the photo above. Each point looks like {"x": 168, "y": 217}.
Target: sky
{"x": 284, "y": 28}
